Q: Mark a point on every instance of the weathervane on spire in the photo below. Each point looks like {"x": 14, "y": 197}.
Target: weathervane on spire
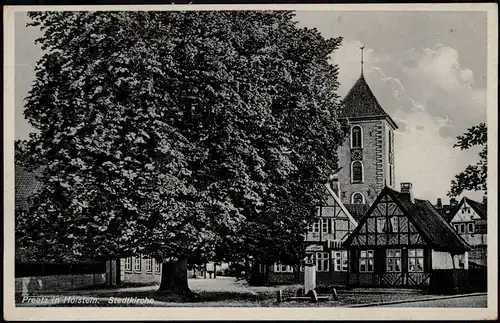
{"x": 362, "y": 48}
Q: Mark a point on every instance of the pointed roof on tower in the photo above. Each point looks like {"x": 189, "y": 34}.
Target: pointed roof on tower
{"x": 360, "y": 102}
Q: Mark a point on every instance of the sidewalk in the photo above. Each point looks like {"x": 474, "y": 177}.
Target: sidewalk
{"x": 418, "y": 300}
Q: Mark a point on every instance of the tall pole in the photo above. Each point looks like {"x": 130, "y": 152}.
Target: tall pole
{"x": 362, "y": 48}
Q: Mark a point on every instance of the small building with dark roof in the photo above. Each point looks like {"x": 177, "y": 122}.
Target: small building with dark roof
{"x": 400, "y": 241}
{"x": 469, "y": 219}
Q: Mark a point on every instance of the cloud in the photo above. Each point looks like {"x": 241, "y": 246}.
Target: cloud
{"x": 431, "y": 98}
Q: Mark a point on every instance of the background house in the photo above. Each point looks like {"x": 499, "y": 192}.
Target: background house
{"x": 469, "y": 220}
{"x": 35, "y": 276}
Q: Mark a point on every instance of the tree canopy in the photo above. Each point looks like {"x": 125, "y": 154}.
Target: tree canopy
{"x": 473, "y": 178}
{"x": 178, "y": 134}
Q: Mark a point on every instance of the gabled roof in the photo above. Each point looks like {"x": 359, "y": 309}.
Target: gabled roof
{"x": 357, "y": 211}
{"x": 360, "y": 102}
{"x": 421, "y": 213}
{"x": 26, "y": 184}
{"x": 479, "y": 208}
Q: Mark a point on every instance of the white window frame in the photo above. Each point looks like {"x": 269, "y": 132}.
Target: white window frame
{"x": 279, "y": 268}
{"x": 469, "y": 226}
{"x": 137, "y": 260}
{"x": 322, "y": 261}
{"x": 157, "y": 267}
{"x": 362, "y": 172}
{"x": 149, "y": 265}
{"x": 316, "y": 226}
{"x": 361, "y": 135}
{"x": 366, "y": 260}
{"x": 414, "y": 257}
{"x": 381, "y": 224}
{"x": 392, "y": 258}
{"x": 340, "y": 260}
{"x": 394, "y": 223}
{"x": 362, "y": 197}
{"x": 456, "y": 227}
{"x": 128, "y": 264}
{"x": 324, "y": 225}
{"x": 462, "y": 228}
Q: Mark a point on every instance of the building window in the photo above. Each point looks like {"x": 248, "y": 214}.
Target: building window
{"x": 415, "y": 260}
{"x": 137, "y": 263}
{"x": 391, "y": 141}
{"x": 394, "y": 224}
{"x": 381, "y": 225}
{"x": 366, "y": 261}
{"x": 314, "y": 227}
{"x": 149, "y": 265}
{"x": 157, "y": 266}
{"x": 357, "y": 198}
{"x": 279, "y": 268}
{"x": 391, "y": 175}
{"x": 470, "y": 227}
{"x": 128, "y": 263}
{"x": 324, "y": 225}
{"x": 356, "y": 137}
{"x": 357, "y": 172}
{"x": 393, "y": 260}
{"x": 462, "y": 228}
{"x": 322, "y": 261}
{"x": 456, "y": 226}
{"x": 340, "y": 261}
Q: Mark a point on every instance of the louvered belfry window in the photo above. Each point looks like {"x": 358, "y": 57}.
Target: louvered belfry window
{"x": 357, "y": 172}
{"x": 356, "y": 137}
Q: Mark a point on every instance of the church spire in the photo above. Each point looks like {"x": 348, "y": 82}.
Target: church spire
{"x": 362, "y": 48}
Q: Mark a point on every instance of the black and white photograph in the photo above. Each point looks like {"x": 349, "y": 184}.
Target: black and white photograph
{"x": 186, "y": 160}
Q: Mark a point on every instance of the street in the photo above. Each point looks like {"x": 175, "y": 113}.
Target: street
{"x": 470, "y": 301}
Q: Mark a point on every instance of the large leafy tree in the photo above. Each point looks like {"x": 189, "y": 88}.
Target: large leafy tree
{"x": 179, "y": 135}
{"x": 473, "y": 178}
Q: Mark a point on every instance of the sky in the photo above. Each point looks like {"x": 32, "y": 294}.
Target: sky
{"x": 427, "y": 70}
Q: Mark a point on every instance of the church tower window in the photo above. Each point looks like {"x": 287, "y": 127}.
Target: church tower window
{"x": 356, "y": 137}
{"x": 357, "y": 172}
{"x": 357, "y": 198}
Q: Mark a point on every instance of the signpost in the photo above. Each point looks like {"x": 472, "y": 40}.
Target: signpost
{"x": 309, "y": 274}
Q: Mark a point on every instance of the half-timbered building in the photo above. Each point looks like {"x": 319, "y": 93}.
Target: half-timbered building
{"x": 469, "y": 220}
{"x": 400, "y": 241}
{"x": 324, "y": 239}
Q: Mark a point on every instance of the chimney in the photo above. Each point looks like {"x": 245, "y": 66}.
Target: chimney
{"x": 439, "y": 204}
{"x": 406, "y": 188}
{"x": 453, "y": 201}
{"x": 335, "y": 184}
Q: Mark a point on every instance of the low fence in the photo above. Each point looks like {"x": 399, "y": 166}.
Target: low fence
{"x": 451, "y": 281}
{"x": 52, "y": 269}
{"x": 35, "y": 278}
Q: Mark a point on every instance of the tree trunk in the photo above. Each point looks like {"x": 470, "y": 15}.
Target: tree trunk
{"x": 174, "y": 278}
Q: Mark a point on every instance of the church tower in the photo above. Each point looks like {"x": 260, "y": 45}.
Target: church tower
{"x": 366, "y": 157}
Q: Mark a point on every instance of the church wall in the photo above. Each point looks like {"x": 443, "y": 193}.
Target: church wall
{"x": 373, "y": 162}
{"x": 387, "y": 130}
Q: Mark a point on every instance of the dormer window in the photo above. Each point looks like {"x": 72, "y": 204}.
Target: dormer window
{"x": 356, "y": 137}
